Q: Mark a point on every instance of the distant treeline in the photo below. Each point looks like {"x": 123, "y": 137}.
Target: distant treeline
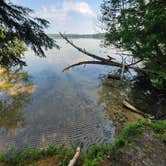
{"x": 78, "y": 36}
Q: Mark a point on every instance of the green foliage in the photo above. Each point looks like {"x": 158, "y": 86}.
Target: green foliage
{"x": 160, "y": 129}
{"x": 98, "y": 152}
{"x": 129, "y": 131}
{"x": 17, "y": 25}
{"x": 92, "y": 156}
{"x": 159, "y": 126}
{"x": 22, "y": 158}
{"x": 11, "y": 52}
{"x": 138, "y": 26}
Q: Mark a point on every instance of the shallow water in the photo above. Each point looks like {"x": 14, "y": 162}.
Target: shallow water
{"x": 47, "y": 106}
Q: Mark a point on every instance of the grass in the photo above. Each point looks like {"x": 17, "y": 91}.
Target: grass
{"x": 93, "y": 155}
{"x": 160, "y": 129}
{"x": 31, "y": 155}
{"x": 125, "y": 139}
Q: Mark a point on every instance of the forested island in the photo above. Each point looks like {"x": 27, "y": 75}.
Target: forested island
{"x": 78, "y": 36}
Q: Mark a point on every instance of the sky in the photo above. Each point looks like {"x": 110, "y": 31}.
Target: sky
{"x": 69, "y": 16}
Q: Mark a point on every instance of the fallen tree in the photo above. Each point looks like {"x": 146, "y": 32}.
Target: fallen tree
{"x": 110, "y": 61}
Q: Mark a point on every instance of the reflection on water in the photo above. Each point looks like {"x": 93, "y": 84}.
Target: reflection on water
{"x": 11, "y": 116}
{"x": 14, "y": 95}
{"x": 41, "y": 105}
{"x": 63, "y": 107}
{"x": 15, "y": 82}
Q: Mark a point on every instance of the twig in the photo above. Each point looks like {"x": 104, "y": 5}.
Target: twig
{"x": 134, "y": 63}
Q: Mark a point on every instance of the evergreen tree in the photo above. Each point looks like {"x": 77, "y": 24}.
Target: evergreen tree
{"x": 17, "y": 24}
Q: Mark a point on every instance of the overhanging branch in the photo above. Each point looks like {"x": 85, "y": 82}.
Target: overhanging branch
{"x": 85, "y": 63}
{"x": 100, "y": 60}
{"x": 83, "y": 50}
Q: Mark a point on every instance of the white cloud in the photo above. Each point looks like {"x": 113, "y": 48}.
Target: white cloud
{"x": 70, "y": 16}
{"x": 80, "y": 7}
{"x": 55, "y": 13}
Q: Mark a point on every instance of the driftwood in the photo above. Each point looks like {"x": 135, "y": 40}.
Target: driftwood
{"x": 137, "y": 111}
{"x": 76, "y": 156}
{"x": 100, "y": 60}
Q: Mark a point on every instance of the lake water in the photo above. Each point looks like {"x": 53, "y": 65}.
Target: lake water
{"x": 42, "y": 105}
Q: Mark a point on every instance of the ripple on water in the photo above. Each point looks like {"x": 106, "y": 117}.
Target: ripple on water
{"x": 63, "y": 110}
{"x": 61, "y": 119}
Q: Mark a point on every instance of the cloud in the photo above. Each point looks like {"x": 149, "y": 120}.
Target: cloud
{"x": 55, "y": 13}
{"x": 80, "y": 7}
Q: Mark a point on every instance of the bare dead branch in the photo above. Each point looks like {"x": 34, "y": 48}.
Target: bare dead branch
{"x": 83, "y": 50}
{"x": 119, "y": 53}
{"x": 110, "y": 58}
{"x": 85, "y": 63}
{"x": 134, "y": 63}
{"x": 101, "y": 61}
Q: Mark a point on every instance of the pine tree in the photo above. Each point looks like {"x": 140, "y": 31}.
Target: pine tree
{"x": 17, "y": 23}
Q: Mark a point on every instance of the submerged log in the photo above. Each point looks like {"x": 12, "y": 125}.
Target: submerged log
{"x": 137, "y": 111}
{"x": 76, "y": 156}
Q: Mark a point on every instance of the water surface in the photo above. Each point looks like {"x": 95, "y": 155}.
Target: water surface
{"x": 43, "y": 105}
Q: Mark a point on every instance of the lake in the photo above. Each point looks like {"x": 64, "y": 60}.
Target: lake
{"x": 41, "y": 105}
